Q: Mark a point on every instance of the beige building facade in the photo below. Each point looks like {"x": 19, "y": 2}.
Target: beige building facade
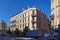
{"x": 55, "y": 13}
{"x": 33, "y": 18}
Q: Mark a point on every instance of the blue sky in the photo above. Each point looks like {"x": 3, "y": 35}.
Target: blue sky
{"x": 11, "y": 7}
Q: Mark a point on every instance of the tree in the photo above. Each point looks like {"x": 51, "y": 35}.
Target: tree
{"x": 17, "y": 32}
{"x": 25, "y": 30}
{"x": 9, "y": 32}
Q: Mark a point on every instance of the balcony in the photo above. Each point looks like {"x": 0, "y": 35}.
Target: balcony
{"x": 13, "y": 25}
{"x": 33, "y": 15}
{"x": 13, "y": 21}
{"x": 33, "y": 21}
{"x": 52, "y": 17}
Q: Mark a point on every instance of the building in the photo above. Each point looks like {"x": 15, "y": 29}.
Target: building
{"x": 55, "y": 13}
{"x": 55, "y": 17}
{"x": 33, "y": 18}
{"x": 3, "y": 26}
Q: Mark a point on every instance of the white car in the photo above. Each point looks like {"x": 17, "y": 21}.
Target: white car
{"x": 25, "y": 39}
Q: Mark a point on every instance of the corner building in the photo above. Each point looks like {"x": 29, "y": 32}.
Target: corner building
{"x": 33, "y": 17}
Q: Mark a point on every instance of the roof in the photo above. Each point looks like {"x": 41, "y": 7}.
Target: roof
{"x": 29, "y": 9}
{"x": 21, "y": 12}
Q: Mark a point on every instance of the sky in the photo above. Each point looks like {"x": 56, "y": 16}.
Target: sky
{"x": 11, "y": 7}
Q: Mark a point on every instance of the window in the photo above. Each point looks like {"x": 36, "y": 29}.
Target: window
{"x": 28, "y": 13}
{"x": 25, "y": 14}
{"x": 35, "y": 18}
{"x": 58, "y": 20}
{"x": 33, "y": 26}
{"x": 20, "y": 15}
{"x": 58, "y": 1}
{"x": 33, "y": 12}
{"x": 25, "y": 25}
{"x": 20, "y": 20}
{"x": 20, "y": 26}
{"x": 58, "y": 10}
{"x": 32, "y": 18}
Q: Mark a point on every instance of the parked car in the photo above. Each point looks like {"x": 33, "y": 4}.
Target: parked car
{"x": 53, "y": 38}
{"x": 33, "y": 33}
{"x": 46, "y": 35}
{"x": 25, "y": 39}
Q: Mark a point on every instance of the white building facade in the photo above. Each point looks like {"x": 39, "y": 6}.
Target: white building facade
{"x": 32, "y": 18}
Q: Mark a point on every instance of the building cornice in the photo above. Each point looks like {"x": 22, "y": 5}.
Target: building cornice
{"x": 23, "y": 11}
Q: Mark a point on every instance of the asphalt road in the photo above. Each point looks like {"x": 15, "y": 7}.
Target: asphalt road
{"x": 6, "y": 38}
{"x": 12, "y": 38}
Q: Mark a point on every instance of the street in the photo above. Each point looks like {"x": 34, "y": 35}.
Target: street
{"x": 13, "y": 38}
{"x": 6, "y": 38}
{"x": 9, "y": 38}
